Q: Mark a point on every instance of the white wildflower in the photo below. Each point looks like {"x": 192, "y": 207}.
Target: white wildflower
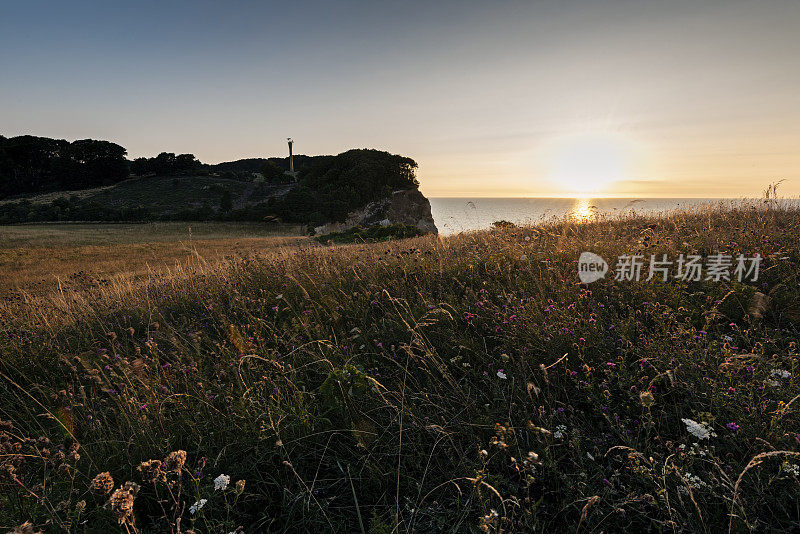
{"x": 695, "y": 481}
{"x": 780, "y": 373}
{"x": 221, "y": 482}
{"x": 560, "y": 432}
{"x": 792, "y": 469}
{"x": 772, "y": 383}
{"x": 698, "y": 430}
{"x": 193, "y": 509}
{"x": 501, "y": 375}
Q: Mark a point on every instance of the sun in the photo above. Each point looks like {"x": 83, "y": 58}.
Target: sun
{"x": 589, "y": 162}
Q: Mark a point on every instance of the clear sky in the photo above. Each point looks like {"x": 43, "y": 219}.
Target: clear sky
{"x": 535, "y": 98}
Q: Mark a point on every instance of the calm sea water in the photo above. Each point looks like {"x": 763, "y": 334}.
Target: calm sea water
{"x": 454, "y": 215}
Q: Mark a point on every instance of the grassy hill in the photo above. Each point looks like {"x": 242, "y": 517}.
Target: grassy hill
{"x": 465, "y": 383}
{"x": 163, "y": 196}
{"x": 327, "y": 189}
{"x": 166, "y": 195}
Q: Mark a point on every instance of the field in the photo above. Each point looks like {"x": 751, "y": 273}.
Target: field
{"x": 436, "y": 384}
{"x": 36, "y": 259}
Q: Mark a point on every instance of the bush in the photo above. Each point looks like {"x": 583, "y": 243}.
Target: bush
{"x": 372, "y": 234}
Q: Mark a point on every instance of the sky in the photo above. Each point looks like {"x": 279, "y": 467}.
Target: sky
{"x": 493, "y": 99}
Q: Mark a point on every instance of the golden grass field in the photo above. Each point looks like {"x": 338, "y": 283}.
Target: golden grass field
{"x": 464, "y": 383}
{"x": 41, "y": 258}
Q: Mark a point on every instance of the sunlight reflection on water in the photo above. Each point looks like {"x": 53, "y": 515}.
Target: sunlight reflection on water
{"x": 454, "y": 215}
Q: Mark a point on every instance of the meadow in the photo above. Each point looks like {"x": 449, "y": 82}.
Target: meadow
{"x": 466, "y": 383}
{"x": 36, "y": 259}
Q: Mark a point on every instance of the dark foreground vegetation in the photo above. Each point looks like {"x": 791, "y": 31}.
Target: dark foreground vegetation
{"x": 92, "y": 180}
{"x": 458, "y": 384}
{"x": 372, "y": 234}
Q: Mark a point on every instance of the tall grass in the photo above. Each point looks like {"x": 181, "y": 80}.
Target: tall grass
{"x": 466, "y": 383}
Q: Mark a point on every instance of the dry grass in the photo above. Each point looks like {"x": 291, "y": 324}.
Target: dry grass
{"x": 36, "y": 260}
{"x": 466, "y": 383}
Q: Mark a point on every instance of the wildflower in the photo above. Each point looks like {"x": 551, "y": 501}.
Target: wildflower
{"x": 221, "y": 482}
{"x": 732, "y": 426}
{"x": 792, "y": 469}
{"x": 151, "y": 471}
{"x": 780, "y": 373}
{"x": 102, "y": 484}
{"x": 695, "y": 481}
{"x": 647, "y": 399}
{"x": 196, "y": 507}
{"x": 501, "y": 375}
{"x": 121, "y": 503}
{"x": 560, "y": 432}
{"x": 698, "y": 430}
{"x": 240, "y": 486}
{"x": 175, "y": 460}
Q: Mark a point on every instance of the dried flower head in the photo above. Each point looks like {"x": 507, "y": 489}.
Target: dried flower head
{"x": 151, "y": 471}
{"x": 121, "y": 503}
{"x": 240, "y": 486}
{"x": 647, "y": 399}
{"x": 175, "y": 460}
{"x": 131, "y": 487}
{"x": 102, "y": 484}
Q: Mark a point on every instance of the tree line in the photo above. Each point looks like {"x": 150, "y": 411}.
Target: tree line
{"x": 31, "y": 164}
{"x": 327, "y": 188}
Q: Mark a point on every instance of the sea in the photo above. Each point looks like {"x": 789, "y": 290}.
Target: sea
{"x": 457, "y": 215}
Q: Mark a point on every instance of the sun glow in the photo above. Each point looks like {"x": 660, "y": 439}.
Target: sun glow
{"x": 583, "y": 210}
{"x": 590, "y": 162}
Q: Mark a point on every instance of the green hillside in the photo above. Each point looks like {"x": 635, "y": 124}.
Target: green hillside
{"x": 145, "y": 198}
{"x": 326, "y": 189}
{"x": 164, "y": 194}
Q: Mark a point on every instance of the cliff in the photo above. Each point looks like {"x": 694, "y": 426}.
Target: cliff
{"x": 407, "y": 206}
